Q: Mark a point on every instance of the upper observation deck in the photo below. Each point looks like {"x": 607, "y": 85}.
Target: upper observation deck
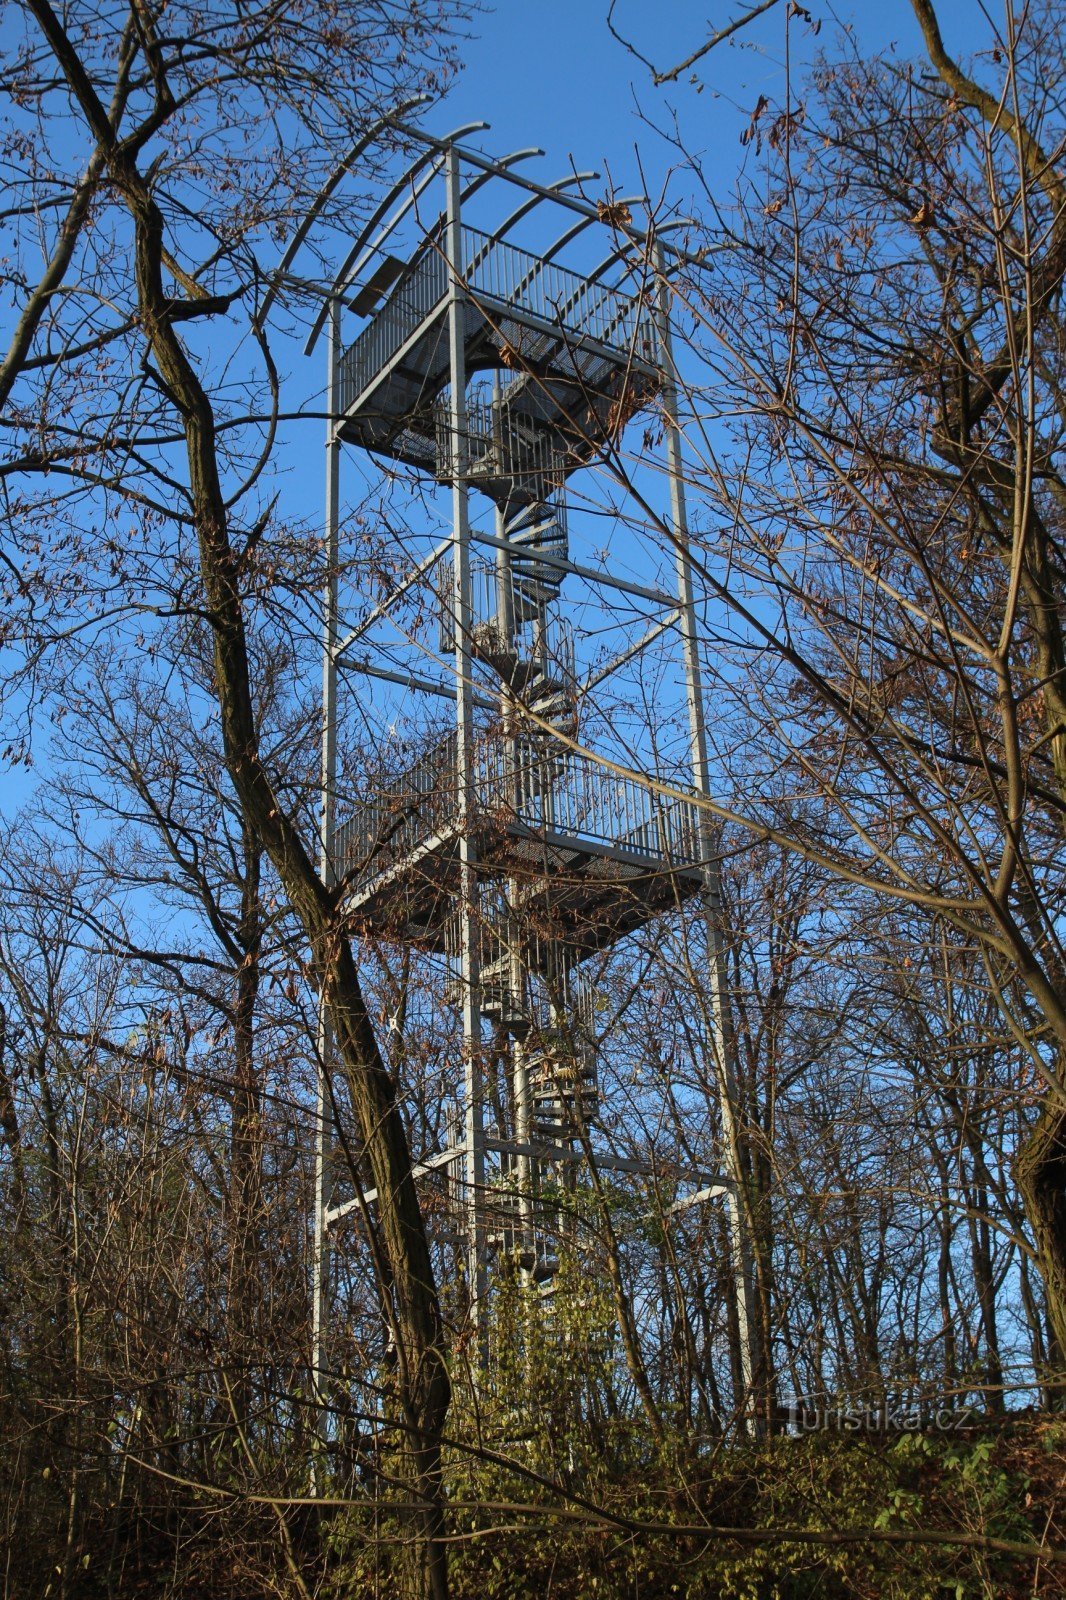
{"x": 577, "y": 358}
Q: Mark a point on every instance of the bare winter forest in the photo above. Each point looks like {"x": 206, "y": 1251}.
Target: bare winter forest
{"x": 532, "y": 943}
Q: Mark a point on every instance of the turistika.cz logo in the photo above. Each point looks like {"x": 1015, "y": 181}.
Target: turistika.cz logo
{"x": 909, "y": 1416}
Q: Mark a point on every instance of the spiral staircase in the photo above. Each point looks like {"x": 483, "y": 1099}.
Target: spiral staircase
{"x": 569, "y": 855}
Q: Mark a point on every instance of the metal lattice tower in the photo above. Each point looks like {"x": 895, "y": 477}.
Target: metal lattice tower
{"x": 506, "y": 849}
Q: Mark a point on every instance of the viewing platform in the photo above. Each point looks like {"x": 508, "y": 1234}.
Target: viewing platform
{"x": 584, "y": 354}
{"x": 594, "y": 854}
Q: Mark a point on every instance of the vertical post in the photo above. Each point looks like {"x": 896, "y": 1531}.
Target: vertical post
{"x": 327, "y": 798}
{"x": 525, "y": 1166}
{"x": 465, "y": 771}
{"x": 505, "y": 619}
{"x": 512, "y": 971}
{"x": 725, "y": 1075}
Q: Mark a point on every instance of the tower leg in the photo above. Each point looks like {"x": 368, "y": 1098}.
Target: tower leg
{"x": 465, "y": 759}
{"x": 725, "y": 1063}
{"x": 327, "y": 801}
{"x": 513, "y": 972}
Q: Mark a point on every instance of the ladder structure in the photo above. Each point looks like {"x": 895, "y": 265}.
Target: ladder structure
{"x": 508, "y": 850}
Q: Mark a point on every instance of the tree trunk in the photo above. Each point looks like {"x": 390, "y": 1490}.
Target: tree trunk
{"x": 405, "y": 1272}
{"x": 246, "y": 1149}
{"x": 1041, "y": 1173}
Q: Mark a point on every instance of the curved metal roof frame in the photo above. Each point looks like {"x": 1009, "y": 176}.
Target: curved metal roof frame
{"x": 585, "y": 222}
{"x": 315, "y": 208}
{"x": 559, "y": 186}
{"x": 619, "y": 253}
{"x": 564, "y": 239}
{"x": 486, "y": 166}
{"x": 404, "y": 178}
{"x": 550, "y": 192}
{"x": 436, "y": 162}
{"x": 506, "y": 162}
{"x": 348, "y": 272}
{"x": 360, "y": 248}
{"x": 586, "y": 208}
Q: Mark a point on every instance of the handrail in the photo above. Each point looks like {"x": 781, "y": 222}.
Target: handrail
{"x": 527, "y": 781}
{"x": 501, "y": 444}
{"x": 512, "y": 277}
{"x": 551, "y": 293}
{"x": 411, "y": 303}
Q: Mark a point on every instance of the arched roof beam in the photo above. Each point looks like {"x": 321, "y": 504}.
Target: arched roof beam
{"x": 360, "y": 248}
{"x": 506, "y": 162}
{"x": 587, "y": 208}
{"x": 343, "y": 167}
{"x": 347, "y": 272}
{"x": 618, "y": 254}
{"x": 346, "y": 278}
{"x": 586, "y": 222}
{"x": 550, "y": 192}
{"x": 398, "y": 188}
{"x": 565, "y": 238}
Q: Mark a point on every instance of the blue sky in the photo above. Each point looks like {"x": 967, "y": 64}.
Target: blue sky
{"x": 548, "y": 72}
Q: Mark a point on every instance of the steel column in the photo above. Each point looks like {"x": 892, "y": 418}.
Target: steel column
{"x": 465, "y": 773}
{"x": 512, "y": 971}
{"x": 725, "y": 1052}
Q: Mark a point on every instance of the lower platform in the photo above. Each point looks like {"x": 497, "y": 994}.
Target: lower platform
{"x": 581, "y": 893}
{"x": 591, "y": 854}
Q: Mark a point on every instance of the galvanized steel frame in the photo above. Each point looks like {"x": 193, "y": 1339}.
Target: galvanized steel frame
{"x": 446, "y": 154}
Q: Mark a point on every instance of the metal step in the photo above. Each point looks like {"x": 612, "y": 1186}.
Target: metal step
{"x": 500, "y": 1004}
{"x": 551, "y": 700}
{"x": 563, "y": 1082}
{"x": 540, "y": 529}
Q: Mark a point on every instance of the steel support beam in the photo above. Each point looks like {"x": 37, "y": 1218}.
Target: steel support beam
{"x": 617, "y": 662}
{"x": 721, "y": 1014}
{"x": 420, "y": 1170}
{"x": 714, "y": 1185}
{"x": 413, "y": 680}
{"x": 603, "y": 1159}
{"x": 390, "y": 600}
{"x": 469, "y": 922}
{"x": 657, "y": 597}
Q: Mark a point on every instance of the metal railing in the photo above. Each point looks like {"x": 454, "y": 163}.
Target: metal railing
{"x": 525, "y": 781}
{"x": 577, "y": 797}
{"x": 525, "y": 597}
{"x": 563, "y": 1081}
{"x": 402, "y": 815}
{"x": 409, "y": 305}
{"x": 512, "y": 277}
{"x": 501, "y": 446}
{"x": 555, "y": 294}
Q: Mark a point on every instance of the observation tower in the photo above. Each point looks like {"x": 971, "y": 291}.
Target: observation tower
{"x": 478, "y": 359}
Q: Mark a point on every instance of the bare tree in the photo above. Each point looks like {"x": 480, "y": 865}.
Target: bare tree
{"x": 873, "y": 411}
{"x": 196, "y": 141}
